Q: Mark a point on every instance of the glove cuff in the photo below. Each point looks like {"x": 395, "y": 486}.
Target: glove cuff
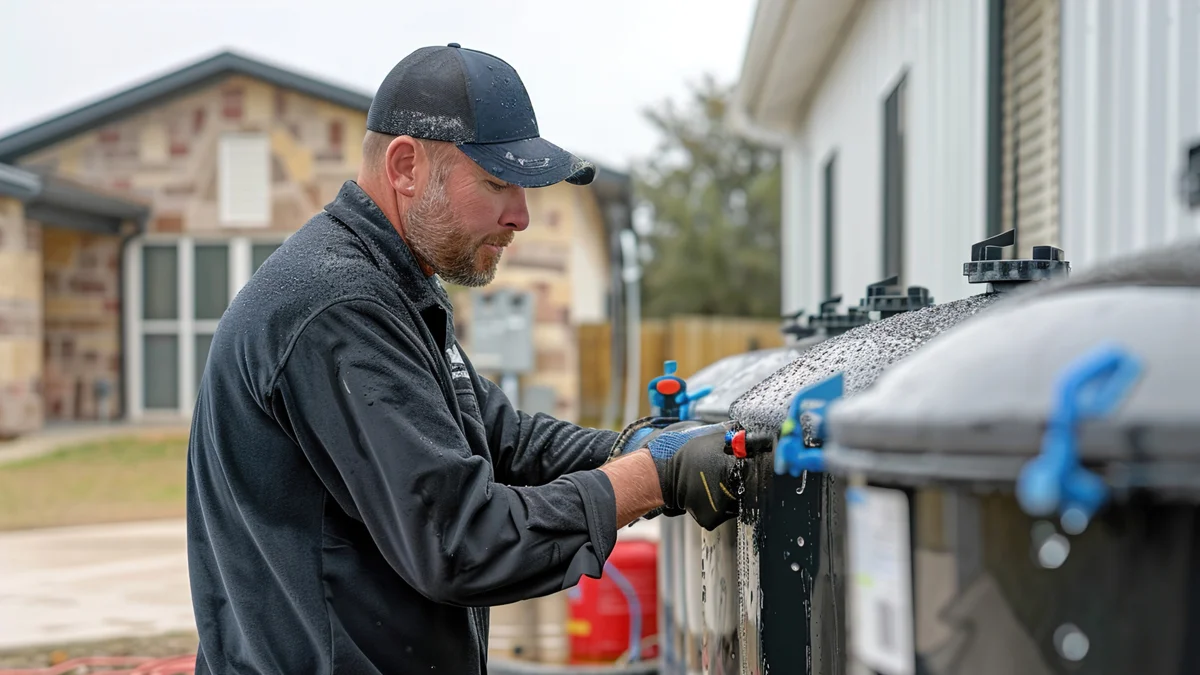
{"x": 628, "y": 439}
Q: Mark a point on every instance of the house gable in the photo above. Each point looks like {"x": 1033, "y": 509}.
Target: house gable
{"x": 170, "y": 154}
{"x": 172, "y": 85}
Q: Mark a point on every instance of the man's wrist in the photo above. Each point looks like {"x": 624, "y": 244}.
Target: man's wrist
{"x": 636, "y": 485}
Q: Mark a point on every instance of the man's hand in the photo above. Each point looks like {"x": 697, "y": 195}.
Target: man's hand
{"x": 695, "y": 473}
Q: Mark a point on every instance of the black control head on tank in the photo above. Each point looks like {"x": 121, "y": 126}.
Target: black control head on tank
{"x": 831, "y": 323}
{"x": 887, "y": 298}
{"x": 794, "y": 327}
{"x": 987, "y": 265}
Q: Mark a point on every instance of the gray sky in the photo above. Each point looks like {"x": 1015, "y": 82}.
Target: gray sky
{"x": 590, "y": 67}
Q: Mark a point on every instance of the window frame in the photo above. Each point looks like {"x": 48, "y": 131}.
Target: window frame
{"x": 185, "y": 327}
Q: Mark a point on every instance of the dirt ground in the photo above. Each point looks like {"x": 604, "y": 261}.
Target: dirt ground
{"x": 169, "y": 644}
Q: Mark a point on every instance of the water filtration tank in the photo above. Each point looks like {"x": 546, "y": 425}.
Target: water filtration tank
{"x": 697, "y": 571}
{"x": 789, "y": 574}
{"x": 1023, "y": 495}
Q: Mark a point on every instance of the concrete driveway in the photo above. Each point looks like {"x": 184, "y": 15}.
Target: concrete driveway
{"x": 93, "y": 582}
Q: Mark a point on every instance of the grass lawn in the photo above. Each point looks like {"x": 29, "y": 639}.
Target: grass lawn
{"x": 119, "y": 479}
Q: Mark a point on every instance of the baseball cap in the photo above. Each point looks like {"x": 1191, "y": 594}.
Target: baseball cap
{"x": 478, "y": 102}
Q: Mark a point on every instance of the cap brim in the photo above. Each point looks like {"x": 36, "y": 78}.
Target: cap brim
{"x": 530, "y": 163}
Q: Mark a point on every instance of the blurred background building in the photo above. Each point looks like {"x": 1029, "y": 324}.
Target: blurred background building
{"x": 131, "y": 222}
{"x": 911, "y": 129}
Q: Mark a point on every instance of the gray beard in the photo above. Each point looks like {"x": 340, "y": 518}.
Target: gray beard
{"x": 436, "y": 238}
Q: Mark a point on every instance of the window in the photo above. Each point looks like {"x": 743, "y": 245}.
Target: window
{"x": 244, "y": 179}
{"x": 179, "y": 287}
{"x": 893, "y": 182}
{"x": 828, "y": 216}
{"x": 259, "y": 254}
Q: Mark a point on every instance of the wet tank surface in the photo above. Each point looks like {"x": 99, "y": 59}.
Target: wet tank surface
{"x": 1047, "y": 522}
{"x": 745, "y": 371}
{"x": 730, "y": 378}
{"x": 789, "y": 550}
{"x": 699, "y": 596}
{"x": 781, "y": 528}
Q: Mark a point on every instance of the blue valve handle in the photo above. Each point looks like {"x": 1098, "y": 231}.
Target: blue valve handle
{"x": 669, "y": 396}
{"x": 1091, "y": 386}
{"x": 792, "y": 456}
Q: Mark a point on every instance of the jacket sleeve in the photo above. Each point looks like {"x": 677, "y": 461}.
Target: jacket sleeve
{"x": 359, "y": 394}
{"x": 536, "y": 449}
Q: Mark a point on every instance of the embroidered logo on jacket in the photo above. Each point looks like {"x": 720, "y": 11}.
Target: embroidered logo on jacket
{"x": 458, "y": 367}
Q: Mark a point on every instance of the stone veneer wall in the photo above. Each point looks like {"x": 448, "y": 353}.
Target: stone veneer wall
{"x": 168, "y": 155}
{"x": 82, "y": 341}
{"x": 20, "y": 321}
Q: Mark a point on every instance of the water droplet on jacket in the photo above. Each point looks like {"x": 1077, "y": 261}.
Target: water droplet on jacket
{"x": 795, "y": 567}
{"x": 370, "y": 403}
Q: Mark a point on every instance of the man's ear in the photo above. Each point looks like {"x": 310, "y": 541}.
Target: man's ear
{"x": 401, "y": 164}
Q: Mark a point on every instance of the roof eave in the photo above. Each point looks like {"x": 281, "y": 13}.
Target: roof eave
{"x": 789, "y": 52}
{"x": 175, "y": 83}
{"x": 19, "y": 184}
{"x": 62, "y": 203}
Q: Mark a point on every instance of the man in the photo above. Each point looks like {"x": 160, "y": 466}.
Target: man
{"x": 357, "y": 494}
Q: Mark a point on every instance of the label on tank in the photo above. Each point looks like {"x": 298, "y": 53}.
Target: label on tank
{"x": 880, "y": 554}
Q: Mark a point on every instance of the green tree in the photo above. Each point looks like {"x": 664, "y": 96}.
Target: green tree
{"x": 714, "y": 204}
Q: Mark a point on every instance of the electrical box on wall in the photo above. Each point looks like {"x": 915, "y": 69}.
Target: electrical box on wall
{"x": 502, "y": 331}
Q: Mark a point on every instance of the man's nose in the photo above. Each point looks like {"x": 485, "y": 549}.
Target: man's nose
{"x": 516, "y": 213}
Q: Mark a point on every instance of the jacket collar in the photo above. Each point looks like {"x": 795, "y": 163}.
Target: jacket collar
{"x": 357, "y": 211}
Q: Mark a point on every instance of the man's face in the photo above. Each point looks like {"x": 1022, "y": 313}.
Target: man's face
{"x": 463, "y": 219}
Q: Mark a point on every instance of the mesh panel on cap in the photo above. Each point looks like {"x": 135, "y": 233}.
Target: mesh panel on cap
{"x": 425, "y": 96}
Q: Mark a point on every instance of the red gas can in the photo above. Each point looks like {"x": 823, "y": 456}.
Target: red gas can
{"x": 598, "y": 622}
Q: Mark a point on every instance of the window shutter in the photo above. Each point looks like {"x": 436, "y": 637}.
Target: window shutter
{"x": 245, "y": 179}
{"x": 1031, "y": 123}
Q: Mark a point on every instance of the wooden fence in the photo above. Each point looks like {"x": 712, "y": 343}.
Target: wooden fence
{"x": 693, "y": 342}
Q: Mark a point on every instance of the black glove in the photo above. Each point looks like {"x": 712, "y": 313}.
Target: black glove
{"x": 695, "y": 473}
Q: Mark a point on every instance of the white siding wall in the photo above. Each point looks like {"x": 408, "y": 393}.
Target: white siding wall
{"x": 1131, "y": 105}
{"x": 940, "y": 46}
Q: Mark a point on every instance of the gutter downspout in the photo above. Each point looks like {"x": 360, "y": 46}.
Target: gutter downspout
{"x": 631, "y": 274}
{"x": 620, "y": 216}
{"x": 123, "y": 260}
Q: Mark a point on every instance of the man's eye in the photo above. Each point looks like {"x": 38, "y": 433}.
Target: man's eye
{"x": 496, "y": 186}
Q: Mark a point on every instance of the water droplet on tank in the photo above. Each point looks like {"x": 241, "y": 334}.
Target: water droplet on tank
{"x": 1070, "y": 642}
{"x": 1074, "y": 521}
{"x": 799, "y": 541}
{"x": 741, "y": 489}
{"x": 1041, "y": 530}
{"x": 795, "y": 567}
{"x": 1052, "y": 552}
